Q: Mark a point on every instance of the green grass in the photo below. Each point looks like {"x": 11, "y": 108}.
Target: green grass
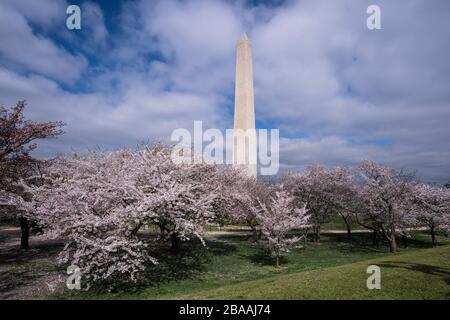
{"x": 337, "y": 223}
{"x": 423, "y": 274}
{"x": 234, "y": 267}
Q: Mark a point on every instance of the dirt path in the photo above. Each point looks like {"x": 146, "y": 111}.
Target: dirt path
{"x": 248, "y": 233}
{"x": 324, "y": 232}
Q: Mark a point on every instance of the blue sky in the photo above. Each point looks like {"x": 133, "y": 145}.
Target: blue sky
{"x": 338, "y": 92}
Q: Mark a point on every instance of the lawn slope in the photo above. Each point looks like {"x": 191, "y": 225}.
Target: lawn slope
{"x": 422, "y": 274}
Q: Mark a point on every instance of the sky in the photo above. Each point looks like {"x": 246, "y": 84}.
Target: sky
{"x": 338, "y": 92}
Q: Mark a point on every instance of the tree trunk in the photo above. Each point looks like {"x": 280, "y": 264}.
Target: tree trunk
{"x": 433, "y": 236}
{"x": 305, "y": 240}
{"x": 317, "y": 234}
{"x": 277, "y": 260}
{"x": 349, "y": 232}
{"x": 162, "y": 232}
{"x": 405, "y": 240}
{"x": 375, "y": 241}
{"x": 176, "y": 242}
{"x": 393, "y": 244}
{"x": 348, "y": 226}
{"x": 25, "y": 228}
{"x": 256, "y": 234}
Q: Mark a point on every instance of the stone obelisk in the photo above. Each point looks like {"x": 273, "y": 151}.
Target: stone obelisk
{"x": 244, "y": 144}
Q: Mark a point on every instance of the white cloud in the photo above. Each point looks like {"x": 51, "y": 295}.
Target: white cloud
{"x": 45, "y": 13}
{"x": 133, "y": 115}
{"x": 94, "y": 33}
{"x": 24, "y": 50}
{"x": 350, "y": 93}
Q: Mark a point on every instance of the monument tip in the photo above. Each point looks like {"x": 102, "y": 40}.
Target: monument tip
{"x": 244, "y": 37}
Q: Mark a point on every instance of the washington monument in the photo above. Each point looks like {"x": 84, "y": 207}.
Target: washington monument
{"x": 244, "y": 144}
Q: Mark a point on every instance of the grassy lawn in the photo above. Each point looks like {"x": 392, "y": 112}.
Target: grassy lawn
{"x": 233, "y": 267}
{"x": 423, "y": 274}
{"x": 338, "y": 224}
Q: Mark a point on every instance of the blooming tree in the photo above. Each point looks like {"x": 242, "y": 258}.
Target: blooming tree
{"x": 432, "y": 208}
{"x": 98, "y": 202}
{"x": 386, "y": 194}
{"x": 184, "y": 196}
{"x": 91, "y": 202}
{"x": 246, "y": 193}
{"x": 342, "y": 194}
{"x": 278, "y": 216}
{"x": 17, "y": 137}
{"x": 327, "y": 192}
{"x": 17, "y": 203}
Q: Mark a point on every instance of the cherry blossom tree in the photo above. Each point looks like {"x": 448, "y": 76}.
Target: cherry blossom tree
{"x": 17, "y": 141}
{"x": 17, "y": 203}
{"x": 386, "y": 194}
{"x": 228, "y": 205}
{"x": 342, "y": 194}
{"x": 246, "y": 193}
{"x": 432, "y": 208}
{"x": 184, "y": 196}
{"x": 327, "y": 192}
{"x": 98, "y": 202}
{"x": 278, "y": 215}
{"x": 91, "y": 202}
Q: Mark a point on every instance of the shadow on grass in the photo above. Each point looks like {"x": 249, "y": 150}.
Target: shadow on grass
{"x": 358, "y": 243}
{"x": 263, "y": 257}
{"x": 14, "y": 255}
{"x": 424, "y": 268}
{"x": 422, "y": 239}
{"x": 362, "y": 242}
{"x": 22, "y": 267}
{"x": 260, "y": 255}
{"x": 237, "y": 238}
{"x": 10, "y": 252}
{"x": 13, "y": 279}
{"x": 187, "y": 264}
{"x": 190, "y": 261}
